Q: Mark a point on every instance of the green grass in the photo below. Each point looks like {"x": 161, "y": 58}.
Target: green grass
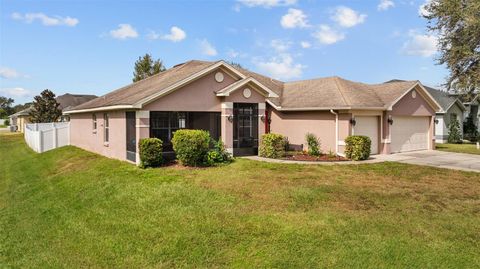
{"x": 3, "y": 126}
{"x": 459, "y": 148}
{"x": 69, "y": 208}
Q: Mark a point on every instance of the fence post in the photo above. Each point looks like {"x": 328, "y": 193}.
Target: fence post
{"x": 40, "y": 141}
{"x": 54, "y": 136}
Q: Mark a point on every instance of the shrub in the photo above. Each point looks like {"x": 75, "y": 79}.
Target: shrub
{"x": 218, "y": 154}
{"x": 150, "y": 152}
{"x": 313, "y": 144}
{"x": 357, "y": 147}
{"x": 7, "y": 122}
{"x": 272, "y": 146}
{"x": 470, "y": 130}
{"x": 454, "y": 134}
{"x": 191, "y": 146}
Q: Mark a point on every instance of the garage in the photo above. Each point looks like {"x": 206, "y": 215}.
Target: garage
{"x": 368, "y": 126}
{"x": 409, "y": 133}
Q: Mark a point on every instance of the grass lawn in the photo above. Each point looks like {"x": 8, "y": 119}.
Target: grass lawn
{"x": 460, "y": 148}
{"x": 3, "y": 126}
{"x": 70, "y": 208}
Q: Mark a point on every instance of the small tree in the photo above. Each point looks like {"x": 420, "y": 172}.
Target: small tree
{"x": 145, "y": 67}
{"x": 313, "y": 144}
{"x": 454, "y": 134}
{"x": 45, "y": 108}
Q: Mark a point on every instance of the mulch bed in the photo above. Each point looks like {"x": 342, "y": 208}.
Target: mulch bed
{"x": 309, "y": 158}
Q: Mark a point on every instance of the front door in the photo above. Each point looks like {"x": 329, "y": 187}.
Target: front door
{"x": 131, "y": 136}
{"x": 245, "y": 129}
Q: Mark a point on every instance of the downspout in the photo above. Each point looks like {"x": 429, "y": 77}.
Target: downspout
{"x": 336, "y": 130}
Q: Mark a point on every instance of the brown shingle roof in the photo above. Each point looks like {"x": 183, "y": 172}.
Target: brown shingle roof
{"x": 330, "y": 92}
{"x": 137, "y": 91}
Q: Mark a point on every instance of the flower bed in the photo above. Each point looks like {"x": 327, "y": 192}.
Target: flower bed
{"x": 302, "y": 156}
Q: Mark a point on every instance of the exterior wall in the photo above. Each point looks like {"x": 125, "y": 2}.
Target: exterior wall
{"x": 444, "y": 120}
{"x": 408, "y": 106}
{"x": 83, "y": 136}
{"x": 21, "y": 121}
{"x": 295, "y": 125}
{"x": 227, "y": 110}
{"x": 199, "y": 95}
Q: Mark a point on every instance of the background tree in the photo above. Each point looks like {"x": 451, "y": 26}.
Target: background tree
{"x": 21, "y": 107}
{"x": 6, "y": 108}
{"x": 145, "y": 66}
{"x": 235, "y": 64}
{"x": 45, "y": 108}
{"x": 457, "y": 25}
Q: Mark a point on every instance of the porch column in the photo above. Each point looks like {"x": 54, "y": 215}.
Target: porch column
{"x": 227, "y": 126}
{"x": 142, "y": 127}
{"x": 386, "y": 138}
{"x": 261, "y": 124}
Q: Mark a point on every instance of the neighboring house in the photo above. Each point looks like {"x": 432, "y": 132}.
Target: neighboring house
{"x": 239, "y": 106}
{"x": 471, "y": 110}
{"x": 451, "y": 108}
{"x": 66, "y": 101}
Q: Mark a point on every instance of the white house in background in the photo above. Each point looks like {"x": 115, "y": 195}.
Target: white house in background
{"x": 451, "y": 108}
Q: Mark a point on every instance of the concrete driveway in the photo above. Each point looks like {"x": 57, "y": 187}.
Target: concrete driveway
{"x": 458, "y": 161}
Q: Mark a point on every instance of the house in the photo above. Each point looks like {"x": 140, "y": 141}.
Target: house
{"x": 239, "y": 106}
{"x": 66, "y": 102}
{"x": 452, "y": 108}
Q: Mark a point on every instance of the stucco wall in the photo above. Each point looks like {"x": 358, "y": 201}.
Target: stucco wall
{"x": 409, "y": 106}
{"x": 199, "y": 95}
{"x": 295, "y": 125}
{"x": 83, "y": 136}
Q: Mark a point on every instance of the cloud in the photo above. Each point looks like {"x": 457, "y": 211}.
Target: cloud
{"x": 45, "y": 20}
{"x": 385, "y": 5}
{"x": 267, "y": 3}
{"x": 176, "y": 34}
{"x": 422, "y": 11}
{"x": 420, "y": 45}
{"x": 305, "y": 44}
{"x": 347, "y": 17}
{"x": 124, "y": 31}
{"x": 326, "y": 35}
{"x": 281, "y": 67}
{"x": 207, "y": 48}
{"x": 16, "y": 92}
{"x": 280, "y": 45}
{"x": 7, "y": 73}
{"x": 295, "y": 18}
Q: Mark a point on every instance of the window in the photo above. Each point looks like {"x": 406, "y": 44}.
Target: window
{"x": 163, "y": 124}
{"x": 94, "y": 122}
{"x": 453, "y": 117}
{"x": 105, "y": 128}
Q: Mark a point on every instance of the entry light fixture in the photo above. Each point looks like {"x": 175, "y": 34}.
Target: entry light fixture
{"x": 390, "y": 119}
{"x": 230, "y": 118}
{"x": 353, "y": 121}
{"x": 436, "y": 121}
{"x": 262, "y": 118}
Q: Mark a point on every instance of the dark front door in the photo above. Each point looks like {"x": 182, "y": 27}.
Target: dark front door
{"x": 245, "y": 129}
{"x": 131, "y": 136}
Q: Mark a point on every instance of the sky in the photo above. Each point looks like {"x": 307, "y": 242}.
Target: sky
{"x": 90, "y": 47}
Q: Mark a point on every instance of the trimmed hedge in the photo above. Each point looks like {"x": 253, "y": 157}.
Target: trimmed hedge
{"x": 357, "y": 147}
{"x": 150, "y": 152}
{"x": 191, "y": 146}
{"x": 272, "y": 146}
{"x": 218, "y": 154}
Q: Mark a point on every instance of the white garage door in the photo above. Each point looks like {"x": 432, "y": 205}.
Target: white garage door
{"x": 368, "y": 126}
{"x": 409, "y": 133}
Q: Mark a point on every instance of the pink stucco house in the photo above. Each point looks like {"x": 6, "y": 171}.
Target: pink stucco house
{"x": 239, "y": 106}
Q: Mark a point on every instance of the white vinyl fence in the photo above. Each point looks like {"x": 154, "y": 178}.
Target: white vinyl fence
{"x": 42, "y": 137}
